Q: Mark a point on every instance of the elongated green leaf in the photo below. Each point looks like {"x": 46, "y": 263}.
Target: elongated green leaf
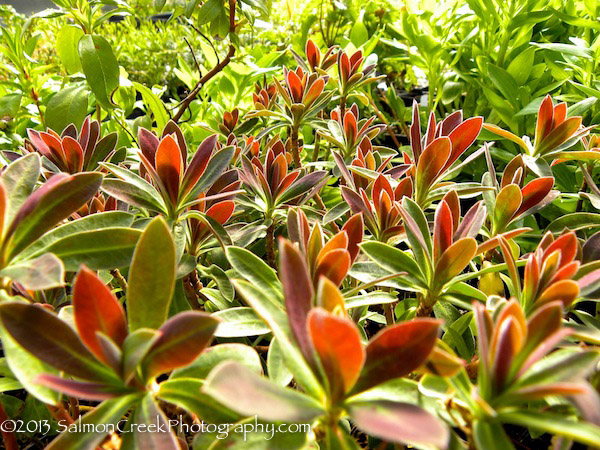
{"x": 67, "y": 41}
{"x": 255, "y": 270}
{"x": 103, "y": 249}
{"x": 507, "y": 204}
{"x": 154, "y": 104}
{"x": 68, "y": 106}
{"x": 391, "y": 258}
{"x": 44, "y": 272}
{"x": 19, "y": 179}
{"x": 574, "y": 222}
{"x": 91, "y": 222}
{"x": 88, "y": 437}
{"x": 216, "y": 354}
{"x": 151, "y": 277}
{"x": 100, "y": 67}
{"x": 50, "y": 204}
{"x": 240, "y": 322}
{"x": 250, "y": 394}
{"x": 491, "y": 435}
{"x": 583, "y": 432}
{"x": 273, "y": 314}
{"x": 187, "y": 393}
{"x": 132, "y": 195}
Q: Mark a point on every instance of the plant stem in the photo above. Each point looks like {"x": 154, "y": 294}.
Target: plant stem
{"x": 270, "y": 245}
{"x": 119, "y": 279}
{"x": 316, "y": 149}
{"x": 295, "y": 147}
{"x": 8, "y": 437}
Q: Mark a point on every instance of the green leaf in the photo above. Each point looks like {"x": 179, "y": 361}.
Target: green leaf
{"x": 19, "y": 179}
{"x": 240, "y": 322}
{"x": 273, "y": 314}
{"x": 134, "y": 195}
{"x": 88, "y": 223}
{"x": 9, "y": 105}
{"x": 391, "y": 258}
{"x": 277, "y": 370}
{"x": 67, "y": 41}
{"x": 100, "y": 67}
{"x": 567, "y": 49}
{"x": 212, "y": 356}
{"x": 249, "y": 394}
{"x": 504, "y": 82}
{"x": 44, "y": 272}
{"x": 89, "y": 435}
{"x": 491, "y": 435}
{"x": 153, "y": 103}
{"x": 186, "y": 393}
{"x": 258, "y": 439}
{"x": 67, "y": 106}
{"x": 209, "y": 11}
{"x": 359, "y": 33}
{"x": 255, "y": 270}
{"x": 102, "y": 249}
{"x": 520, "y": 67}
{"x": 575, "y": 221}
{"x": 583, "y": 432}
{"x": 49, "y": 205}
{"x": 25, "y": 367}
{"x": 151, "y": 277}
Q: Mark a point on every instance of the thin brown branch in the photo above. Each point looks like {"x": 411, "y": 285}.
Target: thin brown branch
{"x": 215, "y": 70}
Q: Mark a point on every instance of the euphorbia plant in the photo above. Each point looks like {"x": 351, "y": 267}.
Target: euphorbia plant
{"x": 317, "y": 61}
{"x": 332, "y": 366}
{"x": 274, "y": 186}
{"x": 510, "y": 201}
{"x": 526, "y": 377}
{"x": 435, "y": 153}
{"x": 26, "y": 214}
{"x": 303, "y": 97}
{"x": 382, "y": 210}
{"x": 331, "y": 259}
{"x": 347, "y": 132}
{"x": 108, "y": 356}
{"x": 549, "y": 273}
{"x": 555, "y": 134}
{"x": 72, "y": 152}
{"x": 176, "y": 185}
{"x": 436, "y": 259}
{"x": 350, "y": 77}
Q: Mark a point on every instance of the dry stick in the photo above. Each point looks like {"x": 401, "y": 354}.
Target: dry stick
{"x": 8, "y": 436}
{"x": 215, "y": 70}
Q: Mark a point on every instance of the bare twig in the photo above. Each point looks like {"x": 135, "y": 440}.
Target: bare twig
{"x": 215, "y": 70}
{"x": 193, "y": 56}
